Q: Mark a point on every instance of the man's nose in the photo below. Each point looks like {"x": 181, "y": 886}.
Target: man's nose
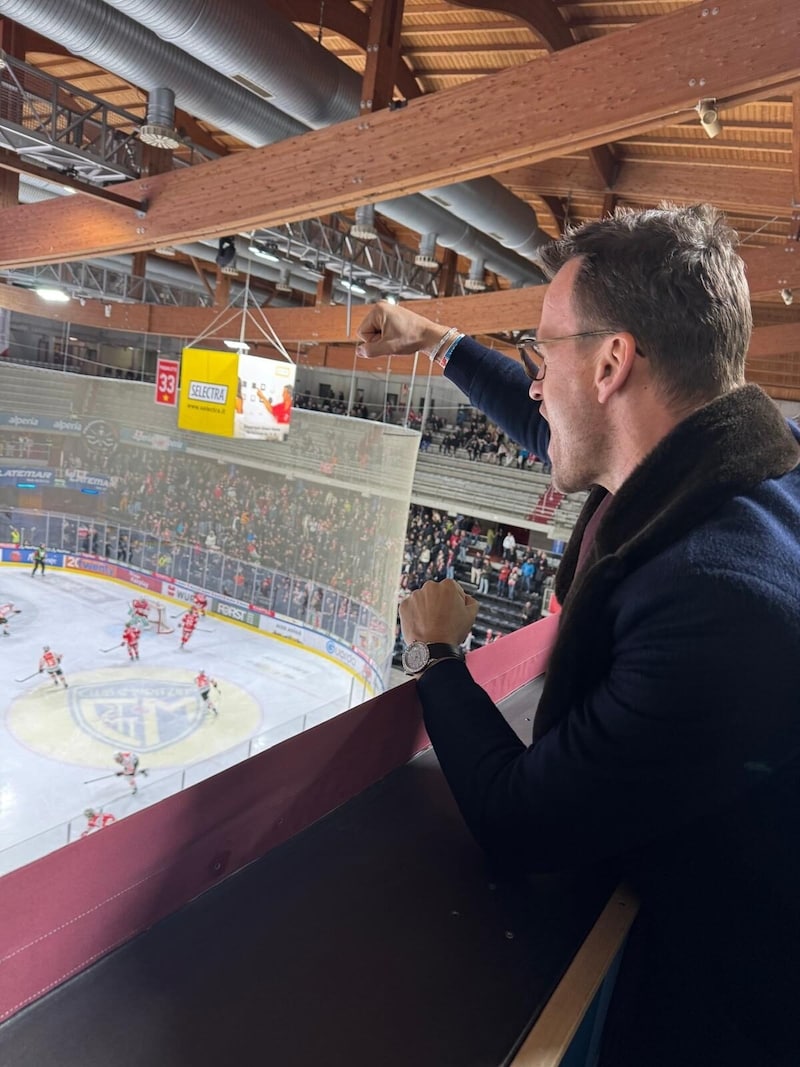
{"x": 535, "y": 391}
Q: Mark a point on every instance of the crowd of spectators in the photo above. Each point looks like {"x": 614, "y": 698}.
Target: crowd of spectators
{"x": 481, "y": 440}
{"x": 389, "y": 412}
{"x": 295, "y": 545}
{"x": 486, "y": 560}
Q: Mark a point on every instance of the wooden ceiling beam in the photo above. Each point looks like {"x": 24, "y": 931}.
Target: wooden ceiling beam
{"x": 542, "y": 16}
{"x": 480, "y": 313}
{"x": 765, "y": 192}
{"x": 550, "y": 26}
{"x": 383, "y": 55}
{"x": 346, "y": 21}
{"x": 524, "y": 114}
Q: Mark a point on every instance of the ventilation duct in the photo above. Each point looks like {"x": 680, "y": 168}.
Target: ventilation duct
{"x": 247, "y": 38}
{"x": 364, "y": 226}
{"x": 426, "y": 257}
{"x": 475, "y": 283}
{"x": 283, "y": 284}
{"x": 159, "y": 128}
{"x": 97, "y": 32}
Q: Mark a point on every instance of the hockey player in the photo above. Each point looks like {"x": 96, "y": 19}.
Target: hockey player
{"x": 209, "y": 691}
{"x": 97, "y": 820}
{"x": 51, "y": 662}
{"x": 39, "y": 560}
{"x": 138, "y": 613}
{"x": 200, "y": 602}
{"x": 130, "y": 637}
{"x": 188, "y": 624}
{"x": 6, "y": 611}
{"x": 129, "y": 762}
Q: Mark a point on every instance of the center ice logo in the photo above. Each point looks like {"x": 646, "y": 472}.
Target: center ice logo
{"x": 138, "y": 714}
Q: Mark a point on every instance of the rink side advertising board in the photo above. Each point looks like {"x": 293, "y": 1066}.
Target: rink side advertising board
{"x": 229, "y": 394}
{"x": 356, "y": 661}
{"x": 167, "y": 371}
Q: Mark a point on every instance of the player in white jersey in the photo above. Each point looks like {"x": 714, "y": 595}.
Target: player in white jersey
{"x": 6, "y": 611}
{"x": 129, "y": 762}
{"x": 51, "y": 662}
{"x": 209, "y": 691}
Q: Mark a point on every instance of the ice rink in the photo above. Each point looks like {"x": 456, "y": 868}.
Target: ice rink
{"x": 53, "y": 741}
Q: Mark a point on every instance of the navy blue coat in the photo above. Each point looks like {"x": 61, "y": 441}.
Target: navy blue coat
{"x": 667, "y": 739}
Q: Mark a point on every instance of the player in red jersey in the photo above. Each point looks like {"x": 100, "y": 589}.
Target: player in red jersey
{"x": 130, "y": 637}
{"x": 200, "y": 603}
{"x": 188, "y": 624}
{"x": 51, "y": 662}
{"x": 97, "y": 820}
{"x": 129, "y": 762}
{"x": 209, "y": 690}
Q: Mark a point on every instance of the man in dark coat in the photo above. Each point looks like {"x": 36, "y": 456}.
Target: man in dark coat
{"x": 667, "y": 740}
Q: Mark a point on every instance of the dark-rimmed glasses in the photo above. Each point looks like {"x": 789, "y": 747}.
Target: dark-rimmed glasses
{"x": 530, "y": 343}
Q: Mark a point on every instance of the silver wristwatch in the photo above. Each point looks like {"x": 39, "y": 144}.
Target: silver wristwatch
{"x": 419, "y": 655}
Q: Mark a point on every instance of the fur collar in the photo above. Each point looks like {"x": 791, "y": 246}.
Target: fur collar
{"x": 721, "y": 450}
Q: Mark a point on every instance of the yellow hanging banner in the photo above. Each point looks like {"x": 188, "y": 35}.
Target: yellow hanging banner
{"x": 209, "y": 383}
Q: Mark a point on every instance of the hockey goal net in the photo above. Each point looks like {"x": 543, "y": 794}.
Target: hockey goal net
{"x": 157, "y": 617}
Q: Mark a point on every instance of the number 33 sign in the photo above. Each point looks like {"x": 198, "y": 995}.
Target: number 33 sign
{"x": 167, "y": 381}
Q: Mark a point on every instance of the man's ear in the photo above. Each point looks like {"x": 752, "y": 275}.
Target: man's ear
{"x": 614, "y": 366}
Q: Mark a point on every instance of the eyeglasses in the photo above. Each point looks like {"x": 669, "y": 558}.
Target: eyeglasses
{"x": 531, "y": 343}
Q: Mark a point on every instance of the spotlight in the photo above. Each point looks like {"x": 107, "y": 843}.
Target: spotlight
{"x": 226, "y": 252}
{"x": 709, "y": 117}
{"x": 353, "y": 287}
{"x": 107, "y": 310}
{"x": 787, "y": 296}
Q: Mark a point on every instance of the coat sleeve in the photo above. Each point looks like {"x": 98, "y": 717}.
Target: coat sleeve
{"x": 499, "y": 387}
{"x": 672, "y": 732}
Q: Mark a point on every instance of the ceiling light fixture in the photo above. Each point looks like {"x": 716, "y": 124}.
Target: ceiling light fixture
{"x": 53, "y": 296}
{"x": 353, "y": 287}
{"x": 237, "y": 346}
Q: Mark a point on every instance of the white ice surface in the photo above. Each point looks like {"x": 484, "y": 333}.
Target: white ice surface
{"x": 49, "y": 748}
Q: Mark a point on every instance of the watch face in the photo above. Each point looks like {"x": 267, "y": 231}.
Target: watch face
{"x": 415, "y": 657}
